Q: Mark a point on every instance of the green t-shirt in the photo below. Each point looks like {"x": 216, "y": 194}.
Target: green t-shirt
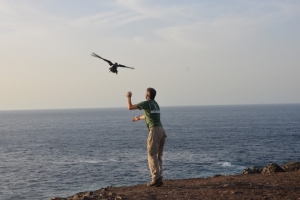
{"x": 151, "y": 112}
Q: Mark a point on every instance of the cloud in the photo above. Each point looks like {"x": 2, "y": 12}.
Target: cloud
{"x": 5, "y": 9}
{"x": 142, "y": 7}
{"x": 186, "y": 24}
{"x": 228, "y": 25}
{"x": 219, "y": 46}
{"x": 23, "y": 19}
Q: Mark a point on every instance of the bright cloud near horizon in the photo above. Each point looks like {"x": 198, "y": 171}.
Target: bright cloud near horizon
{"x": 192, "y": 52}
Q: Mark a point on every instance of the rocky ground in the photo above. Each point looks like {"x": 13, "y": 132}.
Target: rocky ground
{"x": 271, "y": 182}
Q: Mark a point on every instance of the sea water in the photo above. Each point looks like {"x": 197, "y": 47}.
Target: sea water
{"x": 46, "y": 153}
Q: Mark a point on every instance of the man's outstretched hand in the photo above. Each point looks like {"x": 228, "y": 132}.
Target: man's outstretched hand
{"x": 137, "y": 118}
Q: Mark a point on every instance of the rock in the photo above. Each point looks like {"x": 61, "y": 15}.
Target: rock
{"x": 271, "y": 168}
{"x": 236, "y": 192}
{"x": 118, "y": 197}
{"x": 87, "y": 194}
{"x": 217, "y": 175}
{"x": 254, "y": 170}
{"x": 291, "y": 166}
{"x": 110, "y": 194}
{"x": 76, "y": 197}
{"x": 82, "y": 196}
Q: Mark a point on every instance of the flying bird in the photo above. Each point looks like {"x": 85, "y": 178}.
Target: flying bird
{"x": 113, "y": 67}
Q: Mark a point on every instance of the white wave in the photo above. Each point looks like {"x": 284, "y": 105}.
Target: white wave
{"x": 228, "y": 164}
{"x": 224, "y": 164}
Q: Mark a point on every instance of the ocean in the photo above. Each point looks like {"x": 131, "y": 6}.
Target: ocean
{"x": 46, "y": 153}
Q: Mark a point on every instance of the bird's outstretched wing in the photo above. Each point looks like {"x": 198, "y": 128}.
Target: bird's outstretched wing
{"x": 125, "y": 66}
{"x": 109, "y": 62}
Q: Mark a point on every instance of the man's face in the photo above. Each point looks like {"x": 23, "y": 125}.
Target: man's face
{"x": 146, "y": 96}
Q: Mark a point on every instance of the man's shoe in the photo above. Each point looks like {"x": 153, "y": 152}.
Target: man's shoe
{"x": 155, "y": 183}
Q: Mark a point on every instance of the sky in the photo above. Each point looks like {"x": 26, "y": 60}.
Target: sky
{"x": 192, "y": 52}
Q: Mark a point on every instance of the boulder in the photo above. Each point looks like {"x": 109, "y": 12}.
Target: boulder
{"x": 291, "y": 166}
{"x": 254, "y": 170}
{"x": 217, "y": 175}
{"x": 271, "y": 168}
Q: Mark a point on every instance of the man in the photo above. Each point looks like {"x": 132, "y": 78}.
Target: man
{"x": 156, "y": 137}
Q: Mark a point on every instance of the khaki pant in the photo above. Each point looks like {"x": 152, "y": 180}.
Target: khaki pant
{"x": 155, "y": 146}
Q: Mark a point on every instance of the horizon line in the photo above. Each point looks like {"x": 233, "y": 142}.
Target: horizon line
{"x": 118, "y": 107}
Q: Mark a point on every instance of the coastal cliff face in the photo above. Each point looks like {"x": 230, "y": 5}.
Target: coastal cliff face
{"x": 257, "y": 183}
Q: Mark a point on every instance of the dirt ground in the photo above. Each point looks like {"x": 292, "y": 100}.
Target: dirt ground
{"x": 283, "y": 185}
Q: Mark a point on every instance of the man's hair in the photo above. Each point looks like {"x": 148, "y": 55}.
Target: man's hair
{"x": 151, "y": 92}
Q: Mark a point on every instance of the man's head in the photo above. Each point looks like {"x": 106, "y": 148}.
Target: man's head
{"x": 151, "y": 93}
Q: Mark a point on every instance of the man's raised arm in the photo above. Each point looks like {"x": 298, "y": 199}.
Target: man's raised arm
{"x": 129, "y": 104}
